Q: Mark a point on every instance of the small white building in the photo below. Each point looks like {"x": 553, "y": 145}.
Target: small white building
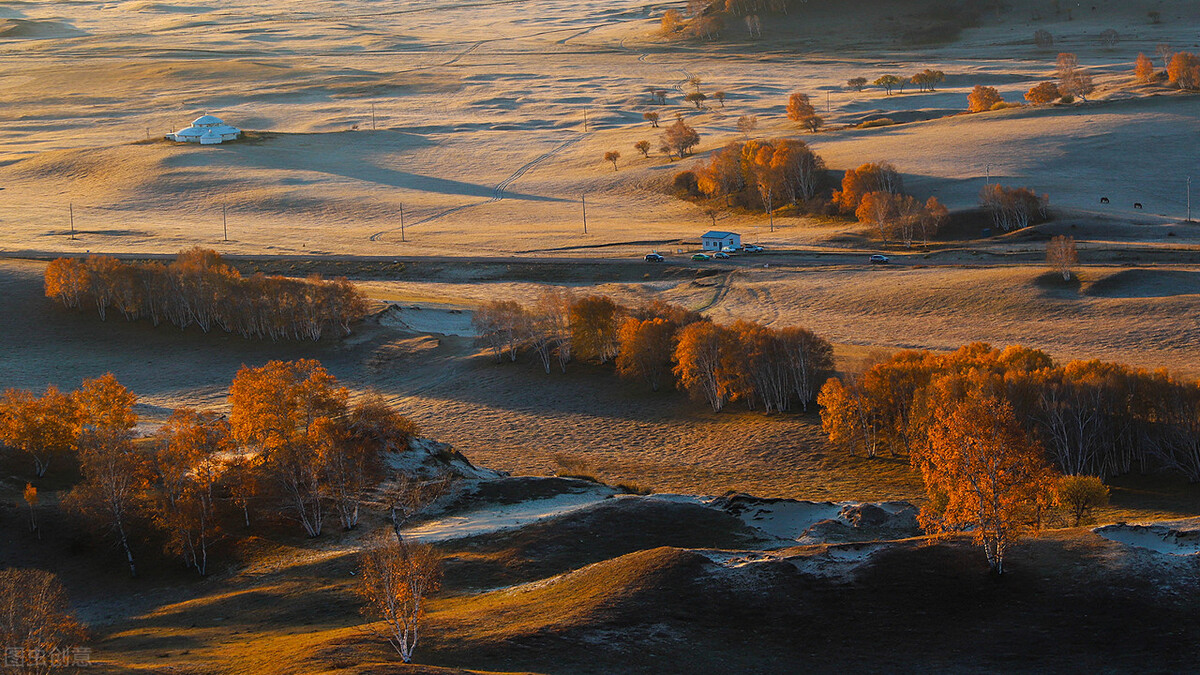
{"x": 206, "y": 130}
{"x": 716, "y": 240}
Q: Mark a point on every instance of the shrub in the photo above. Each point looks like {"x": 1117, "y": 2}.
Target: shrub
{"x": 1077, "y": 495}
{"x": 881, "y": 122}
{"x": 983, "y": 98}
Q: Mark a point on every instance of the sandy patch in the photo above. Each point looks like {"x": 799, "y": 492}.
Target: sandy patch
{"x": 1158, "y": 538}
{"x": 494, "y": 518}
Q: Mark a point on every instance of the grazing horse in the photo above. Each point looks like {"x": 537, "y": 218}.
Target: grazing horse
{"x": 1104, "y": 200}
{"x": 1137, "y": 205}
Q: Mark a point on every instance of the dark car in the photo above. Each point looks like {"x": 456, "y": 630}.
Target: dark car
{"x": 879, "y": 259}
{"x": 654, "y": 257}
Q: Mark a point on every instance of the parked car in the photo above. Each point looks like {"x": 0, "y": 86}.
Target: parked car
{"x": 701, "y": 257}
{"x": 879, "y": 259}
{"x": 729, "y": 249}
{"x": 654, "y": 257}
{"x": 721, "y": 254}
{"x": 752, "y": 248}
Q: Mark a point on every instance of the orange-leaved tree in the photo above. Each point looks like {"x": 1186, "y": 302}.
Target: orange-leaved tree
{"x": 1143, "y": 69}
{"x": 705, "y": 358}
{"x": 983, "y": 98}
{"x": 280, "y": 410}
{"x": 594, "y": 322}
{"x": 115, "y": 474}
{"x": 646, "y": 347}
{"x": 1184, "y": 70}
{"x": 1041, "y": 94}
{"x": 871, "y": 177}
{"x": 188, "y": 464}
{"x": 43, "y": 427}
{"x": 982, "y": 471}
{"x": 801, "y": 111}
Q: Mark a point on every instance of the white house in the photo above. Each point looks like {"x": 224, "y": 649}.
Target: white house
{"x": 716, "y": 240}
{"x": 206, "y": 130}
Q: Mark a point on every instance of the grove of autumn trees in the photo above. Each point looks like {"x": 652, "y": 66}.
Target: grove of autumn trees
{"x": 990, "y": 430}
{"x": 762, "y": 174}
{"x": 1180, "y": 69}
{"x": 292, "y": 438}
{"x": 662, "y": 346}
{"x": 1091, "y": 417}
{"x": 1014, "y": 208}
{"x": 874, "y": 193}
{"x": 199, "y": 288}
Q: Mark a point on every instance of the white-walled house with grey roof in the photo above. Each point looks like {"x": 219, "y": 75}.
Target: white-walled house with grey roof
{"x": 206, "y": 130}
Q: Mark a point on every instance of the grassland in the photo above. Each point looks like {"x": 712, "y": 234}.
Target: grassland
{"x": 470, "y": 117}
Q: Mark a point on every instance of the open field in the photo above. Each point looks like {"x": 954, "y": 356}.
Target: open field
{"x": 478, "y": 130}
{"x": 484, "y": 123}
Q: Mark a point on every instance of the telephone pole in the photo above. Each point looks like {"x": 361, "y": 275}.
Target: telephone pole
{"x": 402, "y": 223}
{"x": 583, "y": 198}
{"x": 372, "y": 117}
{"x": 988, "y": 169}
{"x": 71, "y": 210}
{"x": 1189, "y": 199}
{"x": 585, "y": 121}
{"x": 224, "y": 223}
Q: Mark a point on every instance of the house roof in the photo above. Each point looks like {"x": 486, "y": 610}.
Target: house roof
{"x": 717, "y": 234}
{"x": 207, "y": 121}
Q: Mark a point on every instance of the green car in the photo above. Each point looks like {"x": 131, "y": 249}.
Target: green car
{"x": 701, "y": 257}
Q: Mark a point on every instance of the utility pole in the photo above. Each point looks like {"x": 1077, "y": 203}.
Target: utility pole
{"x": 585, "y": 121}
{"x": 583, "y": 198}
{"x": 1189, "y": 199}
{"x": 372, "y": 117}
{"x": 224, "y": 223}
{"x": 827, "y": 103}
{"x": 71, "y": 209}
{"x": 988, "y": 169}
{"x": 402, "y": 223}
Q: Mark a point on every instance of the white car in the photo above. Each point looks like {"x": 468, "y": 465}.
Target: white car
{"x": 722, "y": 255}
{"x": 752, "y": 248}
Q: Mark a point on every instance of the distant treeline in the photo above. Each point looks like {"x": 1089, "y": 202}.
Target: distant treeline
{"x": 663, "y": 345}
{"x": 201, "y": 289}
{"x": 1092, "y": 417}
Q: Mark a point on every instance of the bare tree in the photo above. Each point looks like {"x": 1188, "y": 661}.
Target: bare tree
{"x": 1164, "y": 52}
{"x": 1062, "y": 255}
{"x": 410, "y": 496}
{"x": 1109, "y": 38}
{"x": 36, "y": 623}
{"x": 857, "y": 83}
{"x": 720, "y": 97}
{"x": 395, "y": 578}
{"x": 696, "y": 98}
{"x": 1043, "y": 39}
{"x": 643, "y": 147}
{"x": 652, "y": 118}
{"x": 746, "y": 124}
{"x": 681, "y": 137}
{"x": 500, "y": 325}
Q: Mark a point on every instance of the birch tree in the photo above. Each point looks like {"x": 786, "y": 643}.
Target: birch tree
{"x": 395, "y": 580}
{"x": 983, "y": 474}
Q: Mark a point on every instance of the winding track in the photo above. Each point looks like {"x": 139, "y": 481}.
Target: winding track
{"x": 497, "y": 191}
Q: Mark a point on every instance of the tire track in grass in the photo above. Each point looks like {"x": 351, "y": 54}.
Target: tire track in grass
{"x": 497, "y": 191}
